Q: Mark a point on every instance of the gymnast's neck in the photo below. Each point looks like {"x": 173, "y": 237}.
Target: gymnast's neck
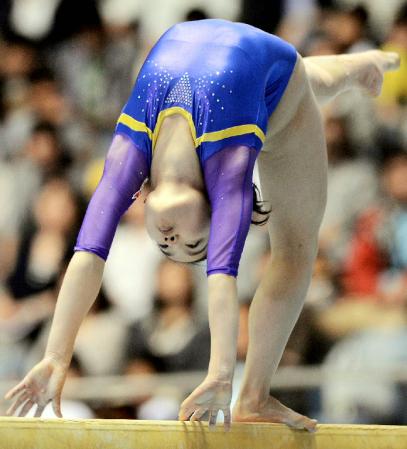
{"x": 174, "y": 157}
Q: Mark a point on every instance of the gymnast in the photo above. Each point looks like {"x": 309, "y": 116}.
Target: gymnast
{"x": 212, "y": 98}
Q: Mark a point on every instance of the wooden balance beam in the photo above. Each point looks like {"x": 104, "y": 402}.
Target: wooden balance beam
{"x": 22, "y": 433}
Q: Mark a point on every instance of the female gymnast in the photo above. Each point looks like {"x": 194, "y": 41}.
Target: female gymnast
{"x": 211, "y": 98}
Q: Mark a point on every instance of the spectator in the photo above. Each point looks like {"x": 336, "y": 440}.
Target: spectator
{"x": 102, "y": 324}
{"x": 395, "y": 85}
{"x": 381, "y": 13}
{"x": 44, "y": 245}
{"x": 132, "y": 265}
{"x": 262, "y": 14}
{"x": 170, "y": 338}
{"x": 41, "y": 157}
{"x": 348, "y": 29}
{"x": 352, "y": 397}
{"x": 44, "y": 103}
{"x": 28, "y": 297}
{"x": 392, "y": 102}
{"x": 18, "y": 59}
{"x": 377, "y": 261}
{"x": 352, "y": 186}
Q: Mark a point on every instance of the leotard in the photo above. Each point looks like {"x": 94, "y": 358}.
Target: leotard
{"x": 226, "y": 79}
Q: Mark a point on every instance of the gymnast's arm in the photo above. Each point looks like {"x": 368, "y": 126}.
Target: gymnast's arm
{"x": 228, "y": 179}
{"x": 124, "y": 172}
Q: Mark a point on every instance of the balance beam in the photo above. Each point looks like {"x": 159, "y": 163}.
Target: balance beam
{"x": 22, "y": 433}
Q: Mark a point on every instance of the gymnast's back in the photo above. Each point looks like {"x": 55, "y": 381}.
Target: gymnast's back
{"x": 211, "y": 34}
{"x": 226, "y": 78}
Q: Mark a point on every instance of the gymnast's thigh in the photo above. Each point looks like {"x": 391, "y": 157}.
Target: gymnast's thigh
{"x": 293, "y": 164}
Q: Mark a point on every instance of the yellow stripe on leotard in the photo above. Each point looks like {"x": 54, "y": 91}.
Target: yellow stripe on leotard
{"x": 214, "y": 136}
{"x": 231, "y": 132}
{"x": 134, "y": 124}
{"x": 171, "y": 111}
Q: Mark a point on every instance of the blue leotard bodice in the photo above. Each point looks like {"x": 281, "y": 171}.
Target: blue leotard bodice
{"x": 225, "y": 78}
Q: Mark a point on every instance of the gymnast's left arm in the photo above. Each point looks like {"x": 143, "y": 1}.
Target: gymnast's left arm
{"x": 125, "y": 170}
{"x": 228, "y": 179}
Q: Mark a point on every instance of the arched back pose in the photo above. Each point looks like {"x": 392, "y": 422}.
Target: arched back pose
{"x": 212, "y": 97}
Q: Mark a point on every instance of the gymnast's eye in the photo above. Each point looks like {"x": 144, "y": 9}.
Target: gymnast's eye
{"x": 193, "y": 245}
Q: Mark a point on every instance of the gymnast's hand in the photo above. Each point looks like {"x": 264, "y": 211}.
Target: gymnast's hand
{"x": 211, "y": 396}
{"x": 40, "y": 386}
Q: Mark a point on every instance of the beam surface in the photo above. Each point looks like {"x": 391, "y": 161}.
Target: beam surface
{"x": 32, "y": 433}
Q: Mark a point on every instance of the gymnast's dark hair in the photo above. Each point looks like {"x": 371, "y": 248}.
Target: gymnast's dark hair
{"x": 258, "y": 208}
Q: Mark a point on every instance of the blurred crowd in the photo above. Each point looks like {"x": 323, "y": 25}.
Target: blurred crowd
{"x": 66, "y": 70}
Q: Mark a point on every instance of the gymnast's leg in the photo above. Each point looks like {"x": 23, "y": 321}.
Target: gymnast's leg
{"x": 292, "y": 170}
{"x": 292, "y": 167}
{"x": 331, "y": 75}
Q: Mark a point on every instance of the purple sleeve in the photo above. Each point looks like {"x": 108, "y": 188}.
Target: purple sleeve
{"x": 228, "y": 178}
{"x": 123, "y": 175}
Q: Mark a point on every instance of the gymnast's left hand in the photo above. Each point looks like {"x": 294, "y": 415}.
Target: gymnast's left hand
{"x": 211, "y": 396}
{"x": 41, "y": 385}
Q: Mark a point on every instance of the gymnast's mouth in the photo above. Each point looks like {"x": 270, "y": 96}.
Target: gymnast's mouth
{"x": 201, "y": 252}
{"x": 165, "y": 230}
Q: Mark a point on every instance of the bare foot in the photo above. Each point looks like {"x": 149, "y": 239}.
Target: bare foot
{"x": 273, "y": 411}
{"x": 366, "y": 69}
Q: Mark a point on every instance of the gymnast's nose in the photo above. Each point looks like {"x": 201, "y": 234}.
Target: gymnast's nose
{"x": 171, "y": 239}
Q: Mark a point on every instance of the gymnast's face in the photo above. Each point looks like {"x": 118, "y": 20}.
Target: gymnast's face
{"x": 177, "y": 218}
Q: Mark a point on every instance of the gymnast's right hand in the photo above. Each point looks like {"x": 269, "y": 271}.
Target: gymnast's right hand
{"x": 211, "y": 396}
{"x": 40, "y": 386}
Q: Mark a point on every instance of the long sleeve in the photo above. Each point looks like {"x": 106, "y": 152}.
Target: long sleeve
{"x": 228, "y": 177}
{"x": 125, "y": 170}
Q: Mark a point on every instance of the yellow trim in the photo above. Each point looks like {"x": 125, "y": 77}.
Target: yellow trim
{"x": 231, "y": 132}
{"x": 214, "y": 136}
{"x": 134, "y": 124}
{"x": 171, "y": 111}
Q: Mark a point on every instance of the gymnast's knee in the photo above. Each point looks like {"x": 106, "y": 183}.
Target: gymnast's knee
{"x": 295, "y": 253}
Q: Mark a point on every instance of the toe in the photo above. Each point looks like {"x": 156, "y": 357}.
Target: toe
{"x": 305, "y": 423}
{"x": 392, "y": 61}
{"x": 311, "y": 425}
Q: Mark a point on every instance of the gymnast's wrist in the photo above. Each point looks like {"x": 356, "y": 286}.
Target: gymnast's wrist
{"x": 62, "y": 359}
{"x": 221, "y": 374}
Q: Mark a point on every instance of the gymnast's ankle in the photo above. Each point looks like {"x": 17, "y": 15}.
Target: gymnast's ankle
{"x": 250, "y": 402}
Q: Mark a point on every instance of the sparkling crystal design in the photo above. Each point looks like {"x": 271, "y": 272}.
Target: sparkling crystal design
{"x": 181, "y": 92}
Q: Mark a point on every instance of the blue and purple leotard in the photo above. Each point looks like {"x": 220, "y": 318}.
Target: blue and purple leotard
{"x": 226, "y": 79}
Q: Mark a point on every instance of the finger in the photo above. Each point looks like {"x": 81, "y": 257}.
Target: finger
{"x": 185, "y": 412}
{"x": 24, "y": 396}
{"x": 26, "y": 408}
{"x": 227, "y": 418}
{"x": 38, "y": 412}
{"x": 56, "y": 406}
{"x": 17, "y": 389}
{"x": 197, "y": 415}
{"x": 213, "y": 414}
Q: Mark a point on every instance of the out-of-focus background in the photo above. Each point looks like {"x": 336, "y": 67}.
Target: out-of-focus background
{"x": 66, "y": 70}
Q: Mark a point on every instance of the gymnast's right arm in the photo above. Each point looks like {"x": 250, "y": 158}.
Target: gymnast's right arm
{"x": 125, "y": 170}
